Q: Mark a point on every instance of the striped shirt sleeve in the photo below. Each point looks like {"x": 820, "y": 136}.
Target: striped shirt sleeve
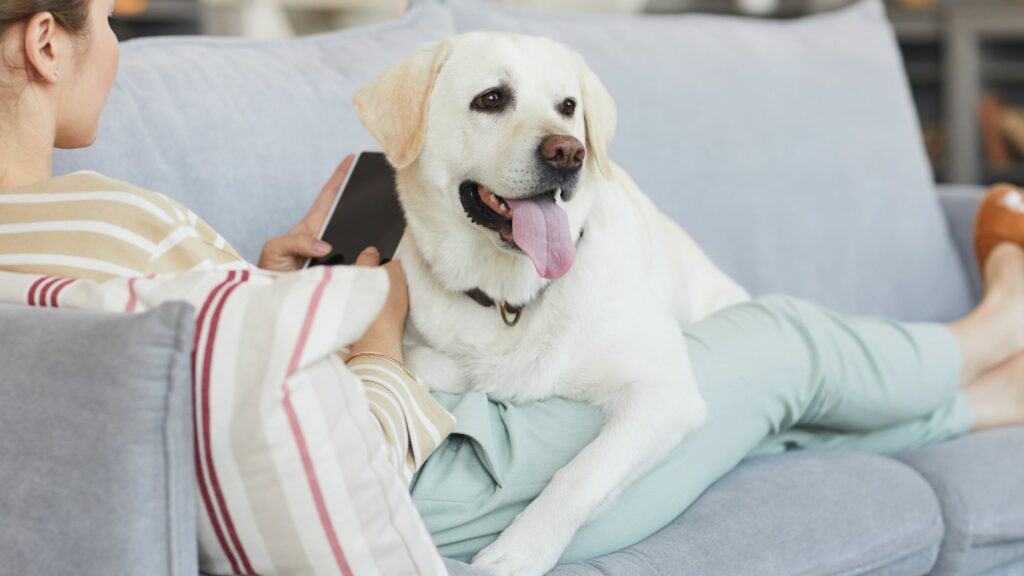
{"x": 413, "y": 422}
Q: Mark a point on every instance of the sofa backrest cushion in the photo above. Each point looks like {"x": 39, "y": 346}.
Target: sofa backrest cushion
{"x": 96, "y": 458}
{"x": 790, "y": 150}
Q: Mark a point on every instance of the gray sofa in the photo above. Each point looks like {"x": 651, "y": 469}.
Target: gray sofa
{"x": 790, "y": 151}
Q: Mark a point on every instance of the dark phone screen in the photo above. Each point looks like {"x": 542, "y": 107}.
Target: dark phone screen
{"x": 367, "y": 214}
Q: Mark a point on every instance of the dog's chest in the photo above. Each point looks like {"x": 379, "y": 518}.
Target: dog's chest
{"x": 461, "y": 326}
{"x": 526, "y": 360}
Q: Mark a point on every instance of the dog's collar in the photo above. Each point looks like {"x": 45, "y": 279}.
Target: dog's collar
{"x": 509, "y": 313}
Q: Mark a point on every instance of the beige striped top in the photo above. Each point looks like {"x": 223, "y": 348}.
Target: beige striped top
{"x": 85, "y": 225}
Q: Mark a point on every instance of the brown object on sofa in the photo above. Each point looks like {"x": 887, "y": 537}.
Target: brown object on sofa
{"x": 1000, "y": 219}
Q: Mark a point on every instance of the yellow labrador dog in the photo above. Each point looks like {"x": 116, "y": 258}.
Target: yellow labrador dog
{"x": 536, "y": 267}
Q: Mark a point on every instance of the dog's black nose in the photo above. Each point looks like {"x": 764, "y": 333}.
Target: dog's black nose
{"x": 563, "y": 153}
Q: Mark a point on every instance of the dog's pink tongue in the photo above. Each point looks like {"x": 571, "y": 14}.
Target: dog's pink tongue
{"x": 541, "y": 229}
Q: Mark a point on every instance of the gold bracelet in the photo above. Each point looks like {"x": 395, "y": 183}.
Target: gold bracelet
{"x": 385, "y": 357}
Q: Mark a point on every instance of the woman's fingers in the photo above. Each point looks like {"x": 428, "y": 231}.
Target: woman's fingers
{"x": 317, "y": 215}
{"x": 284, "y": 253}
{"x": 304, "y": 246}
{"x": 368, "y": 257}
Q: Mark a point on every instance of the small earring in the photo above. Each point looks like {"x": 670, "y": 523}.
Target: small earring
{"x": 56, "y": 74}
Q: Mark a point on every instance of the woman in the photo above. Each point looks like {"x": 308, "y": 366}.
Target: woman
{"x": 777, "y": 373}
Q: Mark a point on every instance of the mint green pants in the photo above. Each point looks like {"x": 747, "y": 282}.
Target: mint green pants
{"x": 778, "y": 374}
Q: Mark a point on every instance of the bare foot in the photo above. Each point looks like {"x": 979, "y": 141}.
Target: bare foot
{"x": 1004, "y": 274}
{"x": 997, "y": 397}
{"x": 994, "y": 331}
{"x": 1004, "y": 281}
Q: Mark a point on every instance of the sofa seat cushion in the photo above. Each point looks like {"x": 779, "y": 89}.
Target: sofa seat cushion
{"x": 979, "y": 480}
{"x": 96, "y": 458}
{"x": 790, "y": 150}
{"x": 798, "y": 513}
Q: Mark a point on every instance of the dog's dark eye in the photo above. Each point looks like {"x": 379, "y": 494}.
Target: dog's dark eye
{"x": 567, "y": 107}
{"x": 493, "y": 100}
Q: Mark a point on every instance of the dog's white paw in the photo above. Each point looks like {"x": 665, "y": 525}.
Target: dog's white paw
{"x": 520, "y": 551}
{"x": 502, "y": 560}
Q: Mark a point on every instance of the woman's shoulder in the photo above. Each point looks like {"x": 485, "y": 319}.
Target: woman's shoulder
{"x": 83, "y": 181}
{"x": 168, "y": 210}
{"x": 89, "y": 181}
{"x": 139, "y": 210}
{"x": 93, "y": 193}
{"x": 101, "y": 186}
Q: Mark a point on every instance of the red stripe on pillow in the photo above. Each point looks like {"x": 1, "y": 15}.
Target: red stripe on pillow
{"x": 300, "y": 440}
{"x": 200, "y": 476}
{"x": 130, "y": 306}
{"x": 55, "y": 295}
{"x": 211, "y": 469}
{"x": 44, "y": 288}
{"x": 31, "y": 300}
{"x": 132, "y": 296}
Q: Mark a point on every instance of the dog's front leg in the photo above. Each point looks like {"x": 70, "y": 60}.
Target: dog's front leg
{"x": 645, "y": 421}
{"x": 440, "y": 372}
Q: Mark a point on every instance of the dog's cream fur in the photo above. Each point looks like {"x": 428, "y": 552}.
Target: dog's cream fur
{"x": 608, "y": 332}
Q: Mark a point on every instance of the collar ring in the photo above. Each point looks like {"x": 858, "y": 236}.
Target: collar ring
{"x": 506, "y": 311}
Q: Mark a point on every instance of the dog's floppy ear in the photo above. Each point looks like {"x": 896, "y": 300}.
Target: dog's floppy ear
{"x": 393, "y": 107}
{"x": 599, "y": 116}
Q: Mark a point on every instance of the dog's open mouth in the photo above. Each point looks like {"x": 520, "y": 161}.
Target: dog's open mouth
{"x": 536, "y": 225}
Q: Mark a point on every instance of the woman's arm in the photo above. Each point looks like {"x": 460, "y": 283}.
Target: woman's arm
{"x": 384, "y": 336}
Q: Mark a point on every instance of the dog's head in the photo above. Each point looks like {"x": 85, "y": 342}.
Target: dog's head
{"x": 502, "y": 134}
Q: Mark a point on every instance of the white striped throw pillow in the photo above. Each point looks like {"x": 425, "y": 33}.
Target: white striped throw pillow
{"x": 293, "y": 472}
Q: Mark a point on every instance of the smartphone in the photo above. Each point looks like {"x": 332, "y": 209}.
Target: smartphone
{"x": 365, "y": 213}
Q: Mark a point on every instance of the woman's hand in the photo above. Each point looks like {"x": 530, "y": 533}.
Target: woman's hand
{"x": 291, "y": 250}
{"x": 385, "y": 334}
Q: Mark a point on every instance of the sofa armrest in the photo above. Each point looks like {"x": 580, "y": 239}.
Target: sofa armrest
{"x": 960, "y": 202}
{"x": 96, "y": 461}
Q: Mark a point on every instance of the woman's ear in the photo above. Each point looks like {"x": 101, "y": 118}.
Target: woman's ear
{"x": 41, "y": 47}
{"x": 599, "y": 115}
{"x": 394, "y": 106}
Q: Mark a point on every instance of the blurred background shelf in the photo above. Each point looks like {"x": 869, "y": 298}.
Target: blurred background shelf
{"x": 134, "y": 18}
{"x": 1003, "y": 72}
{"x": 1012, "y": 173}
{"x": 984, "y": 58}
{"x": 920, "y": 34}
